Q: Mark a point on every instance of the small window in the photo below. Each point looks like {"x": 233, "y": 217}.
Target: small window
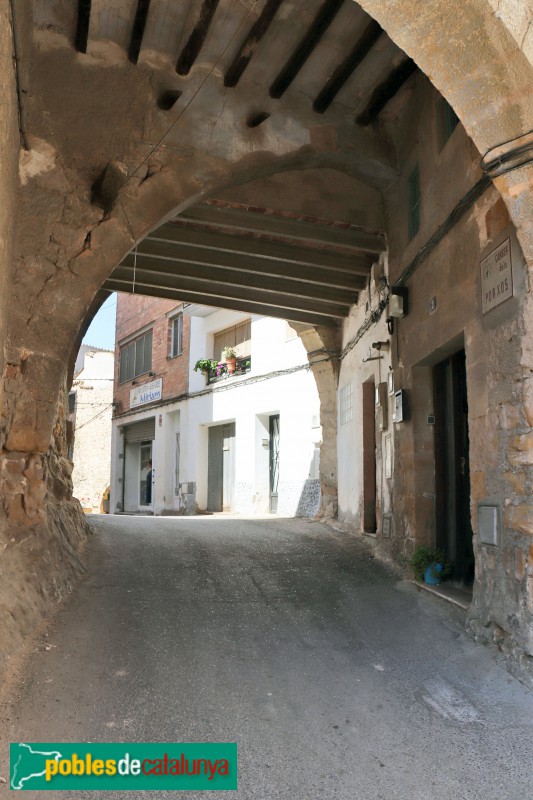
{"x": 346, "y": 404}
{"x": 176, "y": 336}
{"x": 238, "y": 336}
{"x": 447, "y": 121}
{"x": 414, "y": 203}
{"x": 136, "y": 357}
{"x": 71, "y": 402}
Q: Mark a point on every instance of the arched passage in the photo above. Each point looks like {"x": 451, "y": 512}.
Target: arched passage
{"x": 86, "y": 196}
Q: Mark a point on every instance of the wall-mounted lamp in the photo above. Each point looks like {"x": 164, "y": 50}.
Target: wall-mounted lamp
{"x": 398, "y": 305}
{"x": 151, "y": 374}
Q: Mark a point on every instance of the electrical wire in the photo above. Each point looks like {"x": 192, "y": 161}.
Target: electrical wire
{"x": 88, "y": 422}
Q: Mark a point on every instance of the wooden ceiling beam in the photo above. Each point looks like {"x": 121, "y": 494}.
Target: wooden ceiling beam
{"x": 293, "y": 315}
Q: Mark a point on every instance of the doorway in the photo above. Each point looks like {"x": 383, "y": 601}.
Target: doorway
{"x": 138, "y": 475}
{"x": 273, "y": 435}
{"x": 145, "y": 476}
{"x": 221, "y": 467}
{"x": 369, "y": 457}
{"x": 452, "y": 466}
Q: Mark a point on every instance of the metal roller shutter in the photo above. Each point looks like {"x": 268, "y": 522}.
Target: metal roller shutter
{"x": 138, "y": 432}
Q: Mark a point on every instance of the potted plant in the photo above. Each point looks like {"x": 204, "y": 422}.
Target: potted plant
{"x": 430, "y": 565}
{"x": 205, "y": 365}
{"x": 230, "y": 355}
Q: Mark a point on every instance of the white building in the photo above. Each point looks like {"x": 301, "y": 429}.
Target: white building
{"x": 90, "y": 412}
{"x": 244, "y": 443}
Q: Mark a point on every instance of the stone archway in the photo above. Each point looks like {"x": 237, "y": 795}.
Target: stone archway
{"x": 67, "y": 244}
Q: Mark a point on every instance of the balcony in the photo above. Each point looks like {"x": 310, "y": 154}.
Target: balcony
{"x": 220, "y": 372}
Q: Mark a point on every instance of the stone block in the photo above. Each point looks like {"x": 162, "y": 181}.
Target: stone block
{"x": 15, "y": 510}
{"x": 516, "y": 482}
{"x": 519, "y": 563}
{"x": 509, "y": 417}
{"x": 521, "y": 449}
{"x": 528, "y": 401}
{"x": 520, "y": 518}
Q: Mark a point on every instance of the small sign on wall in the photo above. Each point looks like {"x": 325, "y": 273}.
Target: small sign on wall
{"x": 147, "y": 393}
{"x": 496, "y": 277}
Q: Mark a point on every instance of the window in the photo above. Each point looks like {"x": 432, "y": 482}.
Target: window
{"x": 136, "y": 357}
{"x": 71, "y": 402}
{"x": 346, "y": 404}
{"x": 447, "y": 121}
{"x": 238, "y": 336}
{"x": 176, "y": 336}
{"x": 414, "y": 203}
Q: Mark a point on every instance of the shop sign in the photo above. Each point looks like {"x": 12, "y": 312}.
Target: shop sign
{"x": 147, "y": 393}
{"x": 496, "y": 277}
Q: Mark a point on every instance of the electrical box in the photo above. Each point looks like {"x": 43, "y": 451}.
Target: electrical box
{"x": 382, "y": 406}
{"x": 400, "y": 412}
{"x": 489, "y": 524}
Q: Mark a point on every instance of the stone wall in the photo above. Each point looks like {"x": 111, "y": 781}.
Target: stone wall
{"x": 41, "y": 540}
{"x": 446, "y": 315}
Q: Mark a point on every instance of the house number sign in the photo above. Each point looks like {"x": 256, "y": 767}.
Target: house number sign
{"x": 496, "y": 277}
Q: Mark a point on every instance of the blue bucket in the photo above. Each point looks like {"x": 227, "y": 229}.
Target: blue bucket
{"x": 432, "y": 574}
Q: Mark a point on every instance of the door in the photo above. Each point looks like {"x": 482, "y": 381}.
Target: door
{"x": 452, "y": 466}
{"x": 145, "y": 482}
{"x": 369, "y": 457}
{"x": 273, "y": 428}
{"x": 220, "y": 467}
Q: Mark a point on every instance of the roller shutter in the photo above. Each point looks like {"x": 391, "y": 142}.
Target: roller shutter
{"x": 138, "y": 432}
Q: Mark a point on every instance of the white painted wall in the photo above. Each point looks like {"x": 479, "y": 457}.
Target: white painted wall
{"x": 92, "y": 431}
{"x": 356, "y": 369}
{"x": 249, "y": 400}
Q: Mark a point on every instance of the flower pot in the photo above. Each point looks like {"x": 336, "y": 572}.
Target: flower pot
{"x": 432, "y": 574}
{"x": 231, "y": 364}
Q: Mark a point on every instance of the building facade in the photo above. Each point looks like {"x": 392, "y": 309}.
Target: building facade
{"x": 90, "y": 408}
{"x": 185, "y": 441}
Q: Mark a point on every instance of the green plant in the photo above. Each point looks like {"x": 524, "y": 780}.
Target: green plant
{"x": 229, "y": 353}
{"x": 424, "y": 557}
{"x": 205, "y": 365}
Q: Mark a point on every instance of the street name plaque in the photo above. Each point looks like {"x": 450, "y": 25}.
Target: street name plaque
{"x": 496, "y": 277}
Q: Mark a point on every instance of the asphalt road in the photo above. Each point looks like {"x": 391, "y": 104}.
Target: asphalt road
{"x": 337, "y": 680}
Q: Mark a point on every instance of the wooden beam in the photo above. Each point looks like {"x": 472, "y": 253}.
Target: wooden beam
{"x": 137, "y": 33}
{"x": 223, "y": 292}
{"x": 363, "y": 46}
{"x": 82, "y": 25}
{"x": 190, "y": 52}
{"x": 386, "y": 91}
{"x": 293, "y": 315}
{"x": 258, "y": 250}
{"x": 165, "y": 256}
{"x": 224, "y": 277}
{"x": 250, "y": 43}
{"x": 231, "y": 220}
{"x": 320, "y": 24}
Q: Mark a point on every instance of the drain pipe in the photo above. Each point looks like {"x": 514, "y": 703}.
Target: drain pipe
{"x": 16, "y": 51}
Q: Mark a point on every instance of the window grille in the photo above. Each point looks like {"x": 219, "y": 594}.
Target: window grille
{"x": 346, "y": 404}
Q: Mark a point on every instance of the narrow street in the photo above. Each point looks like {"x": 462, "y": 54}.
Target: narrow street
{"x": 335, "y": 678}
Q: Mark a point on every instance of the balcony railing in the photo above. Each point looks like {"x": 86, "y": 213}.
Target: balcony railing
{"x": 221, "y": 373}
